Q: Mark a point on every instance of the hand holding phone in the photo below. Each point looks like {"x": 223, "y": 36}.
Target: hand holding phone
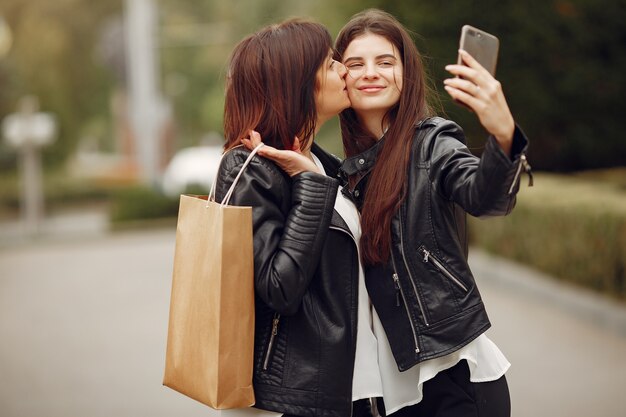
{"x": 481, "y": 45}
{"x": 474, "y": 86}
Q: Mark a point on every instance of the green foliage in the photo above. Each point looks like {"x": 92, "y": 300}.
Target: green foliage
{"x": 199, "y": 62}
{"x": 53, "y": 57}
{"x": 572, "y": 228}
{"x": 561, "y": 66}
{"x": 141, "y": 203}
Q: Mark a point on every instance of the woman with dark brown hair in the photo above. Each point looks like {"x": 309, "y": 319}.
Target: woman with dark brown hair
{"x": 414, "y": 180}
{"x": 284, "y": 84}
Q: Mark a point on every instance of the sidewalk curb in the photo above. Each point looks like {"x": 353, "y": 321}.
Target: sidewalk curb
{"x": 580, "y": 302}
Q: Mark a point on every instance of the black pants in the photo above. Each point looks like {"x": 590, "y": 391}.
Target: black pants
{"x": 451, "y": 394}
{"x": 360, "y": 408}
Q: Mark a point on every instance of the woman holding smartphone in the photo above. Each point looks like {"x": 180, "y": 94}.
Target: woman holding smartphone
{"x": 413, "y": 179}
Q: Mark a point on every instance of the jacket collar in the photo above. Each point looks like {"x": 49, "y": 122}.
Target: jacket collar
{"x": 362, "y": 162}
{"x": 330, "y": 162}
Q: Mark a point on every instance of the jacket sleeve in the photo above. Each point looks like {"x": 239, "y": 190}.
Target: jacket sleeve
{"x": 290, "y": 222}
{"x": 485, "y": 186}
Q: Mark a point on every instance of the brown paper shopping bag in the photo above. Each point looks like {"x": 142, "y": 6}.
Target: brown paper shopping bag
{"x": 210, "y": 342}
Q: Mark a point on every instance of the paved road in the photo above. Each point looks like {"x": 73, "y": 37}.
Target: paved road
{"x": 83, "y": 327}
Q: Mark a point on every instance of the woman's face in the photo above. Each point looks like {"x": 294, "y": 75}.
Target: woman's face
{"x": 374, "y": 78}
{"x": 331, "y": 96}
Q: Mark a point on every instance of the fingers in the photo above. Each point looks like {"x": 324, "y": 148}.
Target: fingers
{"x": 462, "y": 96}
{"x": 255, "y": 137}
{"x": 247, "y": 143}
{"x": 296, "y": 145}
{"x": 472, "y": 63}
{"x": 252, "y": 141}
{"x": 462, "y": 71}
{"x": 472, "y": 81}
{"x": 469, "y": 60}
{"x": 472, "y": 70}
{"x": 464, "y": 85}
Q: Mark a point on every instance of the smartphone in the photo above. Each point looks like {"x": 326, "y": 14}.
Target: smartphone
{"x": 481, "y": 45}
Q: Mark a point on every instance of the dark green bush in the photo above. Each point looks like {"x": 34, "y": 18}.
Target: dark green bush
{"x": 141, "y": 203}
{"x": 572, "y": 228}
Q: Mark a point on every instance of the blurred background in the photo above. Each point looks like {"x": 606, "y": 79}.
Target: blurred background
{"x": 110, "y": 109}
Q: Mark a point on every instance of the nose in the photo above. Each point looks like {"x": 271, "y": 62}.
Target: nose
{"x": 369, "y": 71}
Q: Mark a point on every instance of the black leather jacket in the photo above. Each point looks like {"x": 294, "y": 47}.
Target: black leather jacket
{"x": 306, "y": 283}
{"x": 426, "y": 296}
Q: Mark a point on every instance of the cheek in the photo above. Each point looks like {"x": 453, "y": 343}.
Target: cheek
{"x": 398, "y": 77}
{"x": 349, "y": 82}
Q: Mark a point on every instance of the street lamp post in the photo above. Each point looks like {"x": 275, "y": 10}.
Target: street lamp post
{"x": 145, "y": 100}
{"x": 28, "y": 131}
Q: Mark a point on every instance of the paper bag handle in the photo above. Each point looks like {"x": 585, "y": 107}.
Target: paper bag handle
{"x": 229, "y": 193}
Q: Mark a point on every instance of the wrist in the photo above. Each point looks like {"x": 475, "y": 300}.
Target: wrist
{"x": 504, "y": 137}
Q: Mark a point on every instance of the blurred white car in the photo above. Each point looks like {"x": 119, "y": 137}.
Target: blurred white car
{"x": 191, "y": 167}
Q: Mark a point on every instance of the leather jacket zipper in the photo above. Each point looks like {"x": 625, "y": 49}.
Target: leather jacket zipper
{"x": 270, "y": 345}
{"x": 396, "y": 282}
{"x": 429, "y": 257}
{"x": 523, "y": 164}
{"x": 417, "y": 294}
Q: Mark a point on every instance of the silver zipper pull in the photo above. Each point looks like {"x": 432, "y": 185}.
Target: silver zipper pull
{"x": 396, "y": 283}
{"x": 527, "y": 170}
{"x": 525, "y": 166}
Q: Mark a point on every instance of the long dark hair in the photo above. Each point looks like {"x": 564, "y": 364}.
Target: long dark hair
{"x": 385, "y": 189}
{"x": 271, "y": 83}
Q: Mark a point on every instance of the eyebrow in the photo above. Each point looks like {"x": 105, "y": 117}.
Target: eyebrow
{"x": 358, "y": 58}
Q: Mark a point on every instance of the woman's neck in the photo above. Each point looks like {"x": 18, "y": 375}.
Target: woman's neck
{"x": 373, "y": 123}
{"x": 306, "y": 151}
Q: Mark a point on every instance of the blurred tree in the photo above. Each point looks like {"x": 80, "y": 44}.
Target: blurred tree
{"x": 53, "y": 58}
{"x": 561, "y": 66}
{"x": 197, "y": 39}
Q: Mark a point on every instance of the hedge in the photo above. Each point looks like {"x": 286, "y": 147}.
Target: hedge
{"x": 140, "y": 203}
{"x": 571, "y": 227}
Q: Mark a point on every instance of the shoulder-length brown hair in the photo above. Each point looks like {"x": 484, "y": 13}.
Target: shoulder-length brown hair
{"x": 385, "y": 189}
{"x": 271, "y": 83}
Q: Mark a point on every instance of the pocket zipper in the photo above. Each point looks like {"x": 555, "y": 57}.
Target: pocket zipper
{"x": 399, "y": 291}
{"x": 417, "y": 294}
{"x": 270, "y": 345}
{"x": 429, "y": 257}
